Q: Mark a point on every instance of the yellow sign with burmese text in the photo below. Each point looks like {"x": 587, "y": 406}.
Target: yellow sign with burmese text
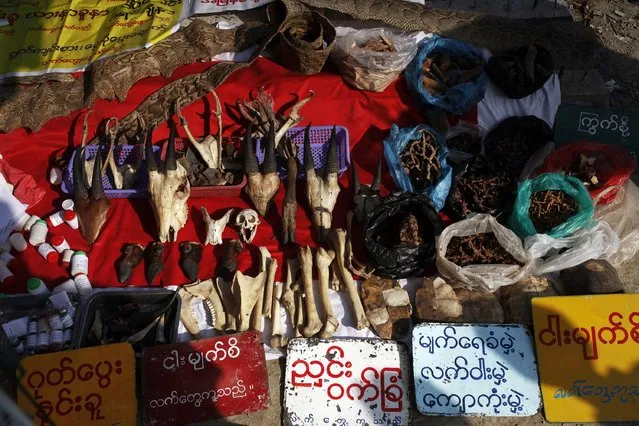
{"x": 588, "y": 356}
{"x": 92, "y": 386}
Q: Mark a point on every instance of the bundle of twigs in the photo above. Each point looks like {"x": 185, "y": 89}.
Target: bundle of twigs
{"x": 420, "y": 160}
{"x": 551, "y": 208}
{"x": 478, "y": 249}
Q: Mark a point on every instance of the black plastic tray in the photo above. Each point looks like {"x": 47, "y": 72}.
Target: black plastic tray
{"x": 123, "y": 296}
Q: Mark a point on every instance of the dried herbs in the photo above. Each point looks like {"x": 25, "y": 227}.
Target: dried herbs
{"x": 550, "y": 208}
{"x": 379, "y": 44}
{"x": 409, "y": 233}
{"x": 441, "y": 71}
{"x": 481, "y": 189}
{"x": 420, "y": 161}
{"x": 478, "y": 249}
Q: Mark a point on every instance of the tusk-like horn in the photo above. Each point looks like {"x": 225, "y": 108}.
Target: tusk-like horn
{"x": 170, "y": 162}
{"x": 308, "y": 155}
{"x": 377, "y": 179}
{"x": 151, "y": 165}
{"x": 250, "y": 162}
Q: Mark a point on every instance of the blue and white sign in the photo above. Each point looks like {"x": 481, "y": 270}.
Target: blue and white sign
{"x": 475, "y": 369}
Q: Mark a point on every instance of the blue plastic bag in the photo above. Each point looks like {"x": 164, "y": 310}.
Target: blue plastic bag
{"x": 520, "y": 221}
{"x": 395, "y": 143}
{"x": 460, "y": 98}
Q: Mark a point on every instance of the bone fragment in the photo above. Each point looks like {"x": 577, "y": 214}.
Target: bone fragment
{"x": 323, "y": 261}
{"x": 299, "y": 313}
{"x": 338, "y": 241}
{"x": 313, "y": 322}
{"x": 215, "y": 228}
{"x": 256, "y": 316}
{"x": 288, "y": 294}
{"x": 230, "y": 305}
{"x": 268, "y": 290}
{"x": 278, "y": 338}
{"x": 246, "y": 290}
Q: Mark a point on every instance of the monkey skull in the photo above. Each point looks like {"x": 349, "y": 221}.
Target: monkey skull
{"x": 247, "y": 221}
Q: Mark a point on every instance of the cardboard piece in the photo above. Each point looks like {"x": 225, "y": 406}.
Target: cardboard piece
{"x": 86, "y": 386}
{"x": 204, "y": 379}
{"x": 475, "y": 369}
{"x": 346, "y": 382}
{"x": 588, "y": 354}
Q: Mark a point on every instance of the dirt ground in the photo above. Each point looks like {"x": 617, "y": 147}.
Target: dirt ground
{"x": 616, "y": 26}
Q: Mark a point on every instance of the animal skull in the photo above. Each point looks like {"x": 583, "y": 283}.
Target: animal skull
{"x": 215, "y": 228}
{"x": 210, "y": 148}
{"x": 321, "y": 192}
{"x": 169, "y": 190}
{"x": 91, "y": 205}
{"x": 365, "y": 197}
{"x": 261, "y": 186}
{"x": 247, "y": 221}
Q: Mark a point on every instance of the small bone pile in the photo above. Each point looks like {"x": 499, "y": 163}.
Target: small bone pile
{"x": 420, "y": 160}
{"x": 440, "y": 72}
{"x": 387, "y": 307}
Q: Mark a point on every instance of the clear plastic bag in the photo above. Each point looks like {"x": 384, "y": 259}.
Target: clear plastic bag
{"x": 460, "y": 156}
{"x": 485, "y": 277}
{"x": 370, "y": 70}
{"x": 597, "y": 242}
{"x": 623, "y": 216}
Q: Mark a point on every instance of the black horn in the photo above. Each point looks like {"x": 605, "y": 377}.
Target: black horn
{"x": 332, "y": 166}
{"x": 97, "y": 189}
{"x": 270, "y": 164}
{"x": 308, "y": 154}
{"x": 377, "y": 179}
{"x": 250, "y": 162}
{"x": 151, "y": 165}
{"x": 79, "y": 175}
{"x": 170, "y": 161}
{"x": 356, "y": 186}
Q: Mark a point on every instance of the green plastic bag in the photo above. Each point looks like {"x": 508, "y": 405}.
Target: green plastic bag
{"x": 523, "y": 226}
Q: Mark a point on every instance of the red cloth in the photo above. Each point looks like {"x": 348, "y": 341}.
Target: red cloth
{"x": 367, "y": 115}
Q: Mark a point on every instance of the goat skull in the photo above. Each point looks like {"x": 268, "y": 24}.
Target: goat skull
{"x": 169, "y": 190}
{"x": 210, "y": 149}
{"x": 321, "y": 192}
{"x": 91, "y": 205}
{"x": 261, "y": 187}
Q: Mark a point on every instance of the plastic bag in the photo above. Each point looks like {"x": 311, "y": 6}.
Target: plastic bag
{"x": 623, "y": 215}
{"x": 485, "y": 277}
{"x": 460, "y": 98}
{"x": 480, "y": 188}
{"x": 562, "y": 253}
{"x": 511, "y": 144}
{"x": 381, "y": 235}
{"x": 509, "y": 72}
{"x": 614, "y": 165}
{"x": 25, "y": 188}
{"x": 520, "y": 221}
{"x": 463, "y": 142}
{"x": 367, "y": 69}
{"x": 395, "y": 143}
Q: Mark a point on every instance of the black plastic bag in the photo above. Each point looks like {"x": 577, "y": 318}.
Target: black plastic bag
{"x": 389, "y": 256}
{"x": 511, "y": 73}
{"x": 480, "y": 187}
{"x": 509, "y": 145}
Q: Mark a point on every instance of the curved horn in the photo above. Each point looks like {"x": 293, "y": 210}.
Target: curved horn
{"x": 332, "y": 166}
{"x": 270, "y": 165}
{"x": 250, "y": 162}
{"x": 170, "y": 161}
{"x": 79, "y": 175}
{"x": 308, "y": 155}
{"x": 151, "y": 165}
{"x": 356, "y": 186}
{"x": 97, "y": 189}
{"x": 377, "y": 179}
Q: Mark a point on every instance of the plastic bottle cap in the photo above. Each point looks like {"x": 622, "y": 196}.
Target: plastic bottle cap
{"x": 56, "y": 240}
{"x": 69, "y": 215}
{"x": 79, "y": 253}
{"x": 33, "y": 283}
{"x": 44, "y": 222}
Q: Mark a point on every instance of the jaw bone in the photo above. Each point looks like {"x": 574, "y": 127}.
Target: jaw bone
{"x": 91, "y": 205}
{"x": 169, "y": 190}
{"x": 321, "y": 192}
{"x": 261, "y": 187}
